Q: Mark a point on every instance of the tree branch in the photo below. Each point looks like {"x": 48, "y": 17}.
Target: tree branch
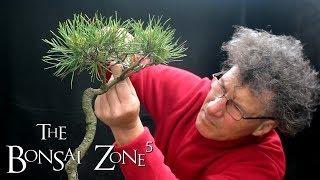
{"x": 91, "y": 120}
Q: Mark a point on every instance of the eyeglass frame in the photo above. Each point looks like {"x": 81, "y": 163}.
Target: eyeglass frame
{"x": 230, "y": 100}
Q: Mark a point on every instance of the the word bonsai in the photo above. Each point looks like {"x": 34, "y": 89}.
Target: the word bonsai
{"x": 94, "y": 44}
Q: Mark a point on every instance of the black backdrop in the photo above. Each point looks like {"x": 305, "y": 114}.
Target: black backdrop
{"x": 31, "y": 95}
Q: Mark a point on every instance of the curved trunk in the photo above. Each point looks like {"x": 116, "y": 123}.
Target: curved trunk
{"x": 91, "y": 121}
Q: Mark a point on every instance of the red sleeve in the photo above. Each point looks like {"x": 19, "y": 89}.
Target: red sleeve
{"x": 260, "y": 166}
{"x": 246, "y": 171}
{"x": 162, "y": 88}
{"x": 148, "y": 165}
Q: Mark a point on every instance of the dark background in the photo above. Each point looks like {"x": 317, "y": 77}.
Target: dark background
{"x": 32, "y": 95}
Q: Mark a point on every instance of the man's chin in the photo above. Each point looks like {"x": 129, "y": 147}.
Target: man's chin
{"x": 201, "y": 128}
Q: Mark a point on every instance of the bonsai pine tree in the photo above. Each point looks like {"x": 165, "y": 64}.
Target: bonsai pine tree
{"x": 94, "y": 44}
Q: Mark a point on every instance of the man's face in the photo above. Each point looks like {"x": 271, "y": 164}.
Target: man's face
{"x": 213, "y": 120}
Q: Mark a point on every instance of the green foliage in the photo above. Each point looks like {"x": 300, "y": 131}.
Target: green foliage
{"x": 156, "y": 40}
{"x": 85, "y": 43}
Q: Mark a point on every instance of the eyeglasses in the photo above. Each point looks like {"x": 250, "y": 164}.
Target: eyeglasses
{"x": 232, "y": 109}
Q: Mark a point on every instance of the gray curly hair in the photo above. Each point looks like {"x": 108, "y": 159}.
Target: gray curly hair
{"x": 277, "y": 64}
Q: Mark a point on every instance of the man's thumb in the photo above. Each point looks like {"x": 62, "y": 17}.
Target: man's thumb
{"x": 116, "y": 70}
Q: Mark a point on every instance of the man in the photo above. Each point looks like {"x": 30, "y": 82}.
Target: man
{"x": 215, "y": 129}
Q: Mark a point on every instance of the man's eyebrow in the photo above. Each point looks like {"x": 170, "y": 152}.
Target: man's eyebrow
{"x": 236, "y": 103}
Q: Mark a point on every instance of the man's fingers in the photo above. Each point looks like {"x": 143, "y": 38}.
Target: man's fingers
{"x": 123, "y": 91}
{"x": 111, "y": 79}
{"x": 133, "y": 91}
{"x": 122, "y": 88}
{"x": 97, "y": 106}
{"x": 112, "y": 99}
{"x": 101, "y": 107}
{"x": 116, "y": 70}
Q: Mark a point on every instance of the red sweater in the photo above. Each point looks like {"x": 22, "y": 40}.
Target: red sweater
{"x": 173, "y": 98}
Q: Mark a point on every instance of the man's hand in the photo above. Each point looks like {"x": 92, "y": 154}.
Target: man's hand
{"x": 119, "y": 109}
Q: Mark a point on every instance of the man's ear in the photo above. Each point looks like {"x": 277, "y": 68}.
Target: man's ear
{"x": 264, "y": 127}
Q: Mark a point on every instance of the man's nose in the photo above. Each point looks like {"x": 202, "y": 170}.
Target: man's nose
{"x": 216, "y": 107}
